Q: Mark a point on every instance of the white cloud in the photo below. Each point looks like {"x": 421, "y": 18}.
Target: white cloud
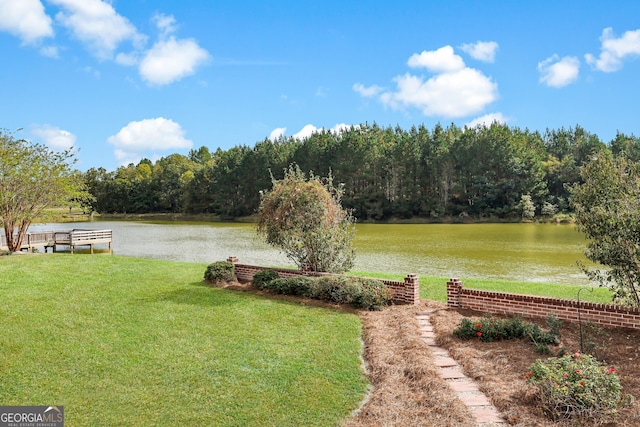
{"x": 306, "y": 132}
{"x": 170, "y": 60}
{"x": 339, "y": 128}
{"x": 614, "y": 50}
{"x": 454, "y": 91}
{"x": 96, "y": 23}
{"x": 165, "y": 23}
{"x": 309, "y": 130}
{"x": 458, "y": 94}
{"x": 482, "y": 51}
{"x": 54, "y": 137}
{"x": 367, "y": 92}
{"x": 277, "y": 133}
{"x": 157, "y": 134}
{"x": 556, "y": 72}
{"x": 25, "y": 19}
{"x": 437, "y": 61}
{"x": 487, "y": 120}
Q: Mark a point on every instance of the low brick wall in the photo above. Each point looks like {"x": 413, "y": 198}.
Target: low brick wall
{"x": 540, "y": 307}
{"x": 406, "y": 292}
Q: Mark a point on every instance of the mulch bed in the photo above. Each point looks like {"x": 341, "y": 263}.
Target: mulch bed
{"x": 499, "y": 367}
{"x": 407, "y": 391}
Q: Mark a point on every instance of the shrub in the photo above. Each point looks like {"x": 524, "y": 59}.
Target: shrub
{"x": 220, "y": 271}
{"x": 362, "y": 293}
{"x": 322, "y": 288}
{"x": 342, "y": 290}
{"x": 346, "y": 293}
{"x": 374, "y": 295}
{"x": 576, "y": 386}
{"x": 298, "y": 286}
{"x": 490, "y": 329}
{"x": 262, "y": 277}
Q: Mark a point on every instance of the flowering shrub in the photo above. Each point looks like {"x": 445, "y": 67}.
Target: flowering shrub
{"x": 576, "y": 386}
{"x": 489, "y": 329}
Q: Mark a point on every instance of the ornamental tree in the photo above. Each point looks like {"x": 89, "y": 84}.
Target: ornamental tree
{"x": 607, "y": 211}
{"x": 303, "y": 217}
{"x": 33, "y": 178}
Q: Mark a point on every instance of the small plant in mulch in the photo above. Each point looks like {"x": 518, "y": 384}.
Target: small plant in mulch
{"x": 592, "y": 334}
{"x": 577, "y": 387}
{"x": 490, "y": 329}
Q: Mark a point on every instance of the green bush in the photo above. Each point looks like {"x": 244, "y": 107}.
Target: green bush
{"x": 262, "y": 277}
{"x": 298, "y": 286}
{"x": 490, "y": 329}
{"x": 576, "y": 387}
{"x": 362, "y": 293}
{"x": 220, "y": 271}
{"x": 321, "y": 288}
{"x": 374, "y": 295}
{"x": 345, "y": 291}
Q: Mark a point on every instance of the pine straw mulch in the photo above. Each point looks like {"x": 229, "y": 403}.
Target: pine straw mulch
{"x": 406, "y": 389}
{"x": 499, "y": 367}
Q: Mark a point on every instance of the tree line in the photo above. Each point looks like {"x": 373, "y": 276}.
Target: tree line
{"x": 494, "y": 171}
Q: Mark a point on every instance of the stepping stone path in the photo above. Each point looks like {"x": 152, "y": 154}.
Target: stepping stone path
{"x": 467, "y": 391}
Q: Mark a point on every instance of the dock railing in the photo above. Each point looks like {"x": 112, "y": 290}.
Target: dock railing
{"x": 79, "y": 237}
{"x": 71, "y": 238}
{"x": 32, "y": 240}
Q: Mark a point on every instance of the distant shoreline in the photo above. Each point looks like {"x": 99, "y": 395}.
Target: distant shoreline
{"x": 557, "y": 219}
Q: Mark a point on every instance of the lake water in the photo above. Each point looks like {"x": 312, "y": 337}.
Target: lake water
{"x": 527, "y": 252}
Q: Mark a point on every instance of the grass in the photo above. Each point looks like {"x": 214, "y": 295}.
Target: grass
{"x": 126, "y": 341}
{"x": 435, "y": 288}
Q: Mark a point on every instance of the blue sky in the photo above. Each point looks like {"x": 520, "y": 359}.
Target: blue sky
{"x": 125, "y": 79}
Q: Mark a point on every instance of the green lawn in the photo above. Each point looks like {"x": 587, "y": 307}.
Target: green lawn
{"x": 126, "y": 341}
{"x": 435, "y": 288}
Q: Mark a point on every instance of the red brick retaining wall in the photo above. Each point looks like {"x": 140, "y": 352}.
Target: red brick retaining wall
{"x": 540, "y": 307}
{"x": 406, "y": 292}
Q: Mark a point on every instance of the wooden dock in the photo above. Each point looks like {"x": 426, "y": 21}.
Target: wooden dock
{"x": 71, "y": 238}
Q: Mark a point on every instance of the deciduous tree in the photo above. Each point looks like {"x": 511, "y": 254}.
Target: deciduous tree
{"x": 33, "y": 178}
{"x": 607, "y": 210}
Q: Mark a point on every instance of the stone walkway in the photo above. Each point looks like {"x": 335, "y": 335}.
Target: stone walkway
{"x": 467, "y": 391}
